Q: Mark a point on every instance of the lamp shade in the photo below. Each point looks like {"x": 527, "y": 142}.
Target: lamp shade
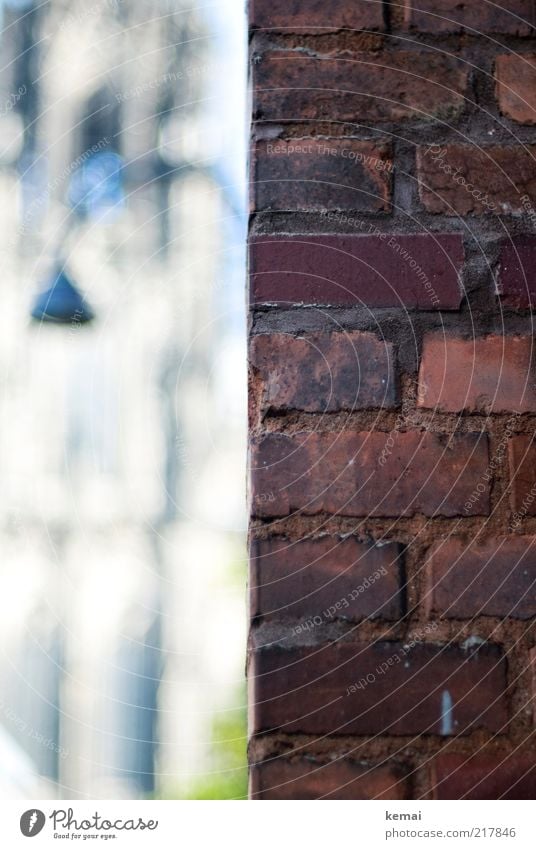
{"x": 61, "y": 302}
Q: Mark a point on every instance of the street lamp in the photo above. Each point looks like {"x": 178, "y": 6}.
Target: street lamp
{"x": 95, "y": 189}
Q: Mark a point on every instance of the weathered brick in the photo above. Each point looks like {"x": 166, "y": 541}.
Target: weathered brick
{"x": 501, "y": 775}
{"x": 522, "y": 490}
{"x": 340, "y": 688}
{"x": 301, "y": 778}
{"x": 515, "y": 87}
{"x": 532, "y": 672}
{"x": 307, "y": 174}
{"x": 323, "y": 372}
{"x": 389, "y": 86}
{"x": 516, "y": 17}
{"x": 316, "y": 15}
{"x": 387, "y": 270}
{"x": 481, "y": 375}
{"x": 318, "y": 580}
{"x": 368, "y": 474}
{"x": 516, "y": 284}
{"x": 494, "y": 577}
{"x": 459, "y": 179}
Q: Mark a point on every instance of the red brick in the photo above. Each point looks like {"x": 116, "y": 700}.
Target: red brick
{"x": 316, "y": 581}
{"x": 323, "y": 372}
{"x": 462, "y": 179}
{"x": 501, "y": 775}
{"x": 387, "y": 270}
{"x": 475, "y": 16}
{"x": 516, "y": 285}
{"x": 389, "y": 86}
{"x": 307, "y": 174}
{"x": 314, "y": 15}
{"x": 522, "y": 459}
{"x": 515, "y": 87}
{"x": 426, "y": 689}
{"x": 495, "y": 577}
{"x": 487, "y": 374}
{"x": 368, "y": 474}
{"x": 301, "y": 778}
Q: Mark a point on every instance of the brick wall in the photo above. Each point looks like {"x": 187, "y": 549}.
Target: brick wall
{"x": 392, "y": 399}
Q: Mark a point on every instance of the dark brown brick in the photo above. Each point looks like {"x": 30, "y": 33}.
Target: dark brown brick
{"x": 514, "y": 17}
{"x": 307, "y": 174}
{"x": 301, "y": 778}
{"x": 316, "y": 15}
{"x": 484, "y": 776}
{"x": 368, "y": 474}
{"x": 522, "y": 459}
{"x": 316, "y": 581}
{"x": 459, "y": 179}
{"x": 494, "y": 577}
{"x": 389, "y": 86}
{"x": 323, "y": 372}
{"x": 387, "y": 270}
{"x": 516, "y": 284}
{"x": 515, "y": 87}
{"x": 480, "y": 375}
{"x": 339, "y": 689}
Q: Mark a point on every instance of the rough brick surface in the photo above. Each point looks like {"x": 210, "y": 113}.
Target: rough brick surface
{"x": 316, "y": 581}
{"x": 368, "y": 474}
{"x": 496, "y": 577}
{"x": 390, "y": 270}
{"x": 316, "y": 15}
{"x": 484, "y": 776}
{"x": 291, "y": 86}
{"x": 323, "y": 372}
{"x": 522, "y": 460}
{"x": 516, "y": 86}
{"x": 427, "y": 689}
{"x": 459, "y": 179}
{"x": 516, "y": 17}
{"x": 489, "y": 374}
{"x": 306, "y": 174}
{"x": 516, "y": 284}
{"x": 302, "y": 778}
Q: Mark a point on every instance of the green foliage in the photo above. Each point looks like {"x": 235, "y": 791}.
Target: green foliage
{"x": 228, "y": 776}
